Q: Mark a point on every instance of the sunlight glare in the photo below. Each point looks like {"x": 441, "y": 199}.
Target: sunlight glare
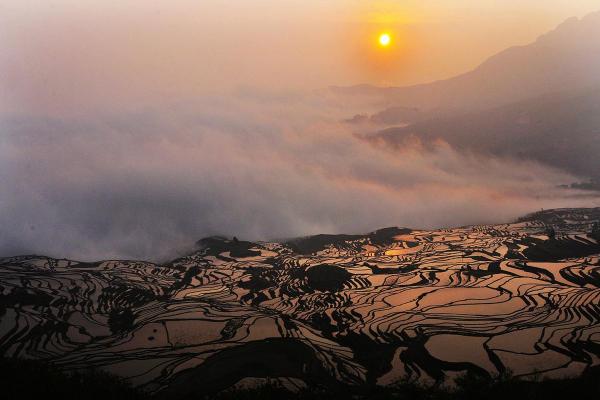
{"x": 385, "y": 39}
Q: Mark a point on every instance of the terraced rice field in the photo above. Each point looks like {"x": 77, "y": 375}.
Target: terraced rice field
{"x": 375, "y": 308}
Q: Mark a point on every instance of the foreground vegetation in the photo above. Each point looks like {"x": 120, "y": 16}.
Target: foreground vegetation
{"x": 26, "y": 378}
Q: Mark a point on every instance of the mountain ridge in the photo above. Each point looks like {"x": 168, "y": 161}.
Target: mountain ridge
{"x": 558, "y": 130}
{"x": 551, "y": 63}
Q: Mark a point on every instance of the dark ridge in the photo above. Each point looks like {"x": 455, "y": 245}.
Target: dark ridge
{"x": 385, "y": 236}
{"x": 557, "y": 216}
{"x": 313, "y": 244}
{"x": 376, "y": 357}
{"x": 416, "y": 355}
{"x": 25, "y": 297}
{"x": 327, "y": 278}
{"x": 216, "y": 245}
{"x": 279, "y": 357}
{"x": 558, "y": 249}
{"x": 530, "y": 130}
{"x": 376, "y": 270}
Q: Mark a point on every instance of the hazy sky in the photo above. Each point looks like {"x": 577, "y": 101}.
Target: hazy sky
{"x": 82, "y": 54}
{"x": 131, "y": 129}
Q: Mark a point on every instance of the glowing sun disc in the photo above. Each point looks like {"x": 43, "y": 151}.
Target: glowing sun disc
{"x": 385, "y": 39}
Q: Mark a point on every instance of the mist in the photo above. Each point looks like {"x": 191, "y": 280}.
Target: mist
{"x": 258, "y": 165}
{"x": 131, "y": 130}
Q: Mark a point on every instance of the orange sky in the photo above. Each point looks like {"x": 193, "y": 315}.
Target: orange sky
{"x": 71, "y": 53}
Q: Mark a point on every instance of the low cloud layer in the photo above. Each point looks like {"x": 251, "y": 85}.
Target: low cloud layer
{"x": 261, "y": 166}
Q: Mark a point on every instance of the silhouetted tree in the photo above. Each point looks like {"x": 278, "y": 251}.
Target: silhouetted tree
{"x": 551, "y": 233}
{"x": 596, "y": 231}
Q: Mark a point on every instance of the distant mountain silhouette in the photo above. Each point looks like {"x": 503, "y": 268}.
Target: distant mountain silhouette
{"x": 564, "y": 59}
{"x": 562, "y": 131}
{"x": 536, "y": 102}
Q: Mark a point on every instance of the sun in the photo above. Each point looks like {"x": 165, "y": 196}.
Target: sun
{"x": 385, "y": 39}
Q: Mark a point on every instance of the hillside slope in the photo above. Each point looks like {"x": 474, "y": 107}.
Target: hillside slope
{"x": 562, "y": 131}
{"x": 356, "y": 309}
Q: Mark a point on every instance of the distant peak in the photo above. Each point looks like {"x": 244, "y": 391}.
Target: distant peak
{"x": 591, "y": 16}
{"x": 588, "y": 22}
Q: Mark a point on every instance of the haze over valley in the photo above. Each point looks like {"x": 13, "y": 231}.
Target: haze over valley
{"x": 148, "y": 179}
{"x": 300, "y": 199}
